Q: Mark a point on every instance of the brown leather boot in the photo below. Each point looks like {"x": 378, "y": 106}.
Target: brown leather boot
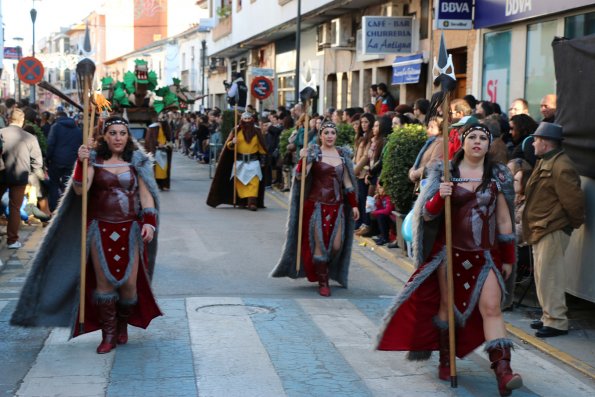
{"x": 107, "y": 319}
{"x": 499, "y": 352}
{"x": 322, "y": 273}
{"x": 444, "y": 361}
{"x": 252, "y": 204}
{"x": 124, "y": 311}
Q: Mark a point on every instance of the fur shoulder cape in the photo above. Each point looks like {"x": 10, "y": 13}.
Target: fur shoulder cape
{"x": 339, "y": 267}
{"x": 50, "y": 296}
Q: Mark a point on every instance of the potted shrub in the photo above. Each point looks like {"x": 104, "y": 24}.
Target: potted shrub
{"x": 403, "y": 145}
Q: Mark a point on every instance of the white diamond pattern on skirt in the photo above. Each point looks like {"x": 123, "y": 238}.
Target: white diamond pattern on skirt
{"x": 114, "y": 236}
{"x": 117, "y": 257}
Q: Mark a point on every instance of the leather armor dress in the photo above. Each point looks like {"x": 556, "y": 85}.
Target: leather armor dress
{"x": 114, "y": 208}
{"x": 323, "y": 214}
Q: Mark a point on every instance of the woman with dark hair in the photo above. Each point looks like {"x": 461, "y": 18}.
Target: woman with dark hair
{"x": 330, "y": 207}
{"x": 521, "y": 128}
{"x": 121, "y": 243}
{"x": 483, "y": 252}
{"x": 361, "y": 165}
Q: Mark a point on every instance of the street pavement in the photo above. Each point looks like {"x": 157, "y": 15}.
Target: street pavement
{"x": 228, "y": 330}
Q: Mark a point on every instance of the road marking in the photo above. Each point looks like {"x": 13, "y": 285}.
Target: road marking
{"x": 228, "y": 354}
{"x": 386, "y": 374}
{"x": 281, "y": 203}
{"x": 68, "y": 368}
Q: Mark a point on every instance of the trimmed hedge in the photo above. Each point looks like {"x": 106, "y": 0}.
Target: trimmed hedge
{"x": 402, "y": 148}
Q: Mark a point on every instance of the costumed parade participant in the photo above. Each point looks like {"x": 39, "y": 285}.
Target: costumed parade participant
{"x": 159, "y": 141}
{"x": 330, "y": 208}
{"x": 483, "y": 252}
{"x": 121, "y": 245}
{"x": 249, "y": 149}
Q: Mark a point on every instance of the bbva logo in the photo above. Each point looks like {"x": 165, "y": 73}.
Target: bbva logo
{"x": 452, "y": 6}
{"x": 514, "y": 7}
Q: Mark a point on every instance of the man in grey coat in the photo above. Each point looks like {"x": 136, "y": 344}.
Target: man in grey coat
{"x": 21, "y": 156}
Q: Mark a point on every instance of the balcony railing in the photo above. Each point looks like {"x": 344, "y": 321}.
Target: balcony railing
{"x": 222, "y": 29}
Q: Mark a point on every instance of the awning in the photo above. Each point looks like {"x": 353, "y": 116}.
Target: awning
{"x": 406, "y": 70}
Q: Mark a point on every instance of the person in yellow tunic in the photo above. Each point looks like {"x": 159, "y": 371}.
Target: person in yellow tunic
{"x": 158, "y": 141}
{"x": 247, "y": 172}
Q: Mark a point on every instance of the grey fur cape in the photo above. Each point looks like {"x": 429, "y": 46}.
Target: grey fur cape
{"x": 50, "y": 296}
{"x": 339, "y": 266}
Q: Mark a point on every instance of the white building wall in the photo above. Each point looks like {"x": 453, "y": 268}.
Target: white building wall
{"x": 182, "y": 14}
{"x": 266, "y": 14}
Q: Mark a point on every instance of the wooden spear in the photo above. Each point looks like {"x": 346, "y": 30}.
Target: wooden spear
{"x": 302, "y": 189}
{"x": 85, "y": 70}
{"x": 235, "y": 154}
{"x": 448, "y": 232}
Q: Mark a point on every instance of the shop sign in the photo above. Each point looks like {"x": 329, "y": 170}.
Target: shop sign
{"x": 454, "y": 14}
{"x": 12, "y": 52}
{"x": 489, "y": 13}
{"x": 495, "y": 86}
{"x": 406, "y": 70}
{"x": 389, "y": 35}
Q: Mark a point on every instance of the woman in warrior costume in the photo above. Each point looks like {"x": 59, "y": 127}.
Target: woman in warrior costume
{"x": 330, "y": 208}
{"x": 121, "y": 244}
{"x": 483, "y": 257}
{"x": 122, "y": 218}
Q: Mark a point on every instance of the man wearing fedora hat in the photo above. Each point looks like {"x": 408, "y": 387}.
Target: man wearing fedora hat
{"x": 554, "y": 207}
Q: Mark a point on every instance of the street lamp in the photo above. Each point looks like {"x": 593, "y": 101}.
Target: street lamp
{"x": 33, "y": 13}
{"x": 19, "y": 54}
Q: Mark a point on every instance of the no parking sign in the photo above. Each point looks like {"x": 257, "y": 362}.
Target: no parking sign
{"x": 30, "y": 70}
{"x": 261, "y": 88}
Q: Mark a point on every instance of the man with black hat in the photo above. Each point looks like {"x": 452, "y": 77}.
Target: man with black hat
{"x": 554, "y": 207}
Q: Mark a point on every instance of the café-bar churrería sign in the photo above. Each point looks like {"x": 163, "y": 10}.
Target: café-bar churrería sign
{"x": 389, "y": 35}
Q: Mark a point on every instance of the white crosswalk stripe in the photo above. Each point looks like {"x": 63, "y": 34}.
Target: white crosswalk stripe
{"x": 231, "y": 358}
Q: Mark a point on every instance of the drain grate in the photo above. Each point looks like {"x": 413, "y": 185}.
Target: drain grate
{"x": 234, "y": 309}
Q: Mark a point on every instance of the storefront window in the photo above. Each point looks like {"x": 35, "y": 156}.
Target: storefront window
{"x": 286, "y": 89}
{"x": 496, "y": 67}
{"x": 540, "y": 76}
{"x": 579, "y": 25}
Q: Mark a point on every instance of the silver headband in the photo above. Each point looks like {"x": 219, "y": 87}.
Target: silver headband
{"x": 328, "y": 124}
{"x": 112, "y": 122}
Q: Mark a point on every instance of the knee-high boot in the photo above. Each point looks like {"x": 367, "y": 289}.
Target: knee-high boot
{"x": 444, "y": 345}
{"x": 322, "y": 273}
{"x": 106, "y": 307}
{"x": 124, "y": 310}
{"x": 499, "y": 352}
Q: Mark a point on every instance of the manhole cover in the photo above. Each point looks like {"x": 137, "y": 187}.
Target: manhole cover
{"x": 234, "y": 309}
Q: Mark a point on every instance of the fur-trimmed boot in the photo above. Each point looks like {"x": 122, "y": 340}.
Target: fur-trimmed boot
{"x": 322, "y": 273}
{"x": 444, "y": 346}
{"x": 499, "y": 352}
{"x": 125, "y": 307}
{"x": 106, "y": 307}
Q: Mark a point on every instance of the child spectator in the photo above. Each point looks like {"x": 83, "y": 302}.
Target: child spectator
{"x": 381, "y": 215}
